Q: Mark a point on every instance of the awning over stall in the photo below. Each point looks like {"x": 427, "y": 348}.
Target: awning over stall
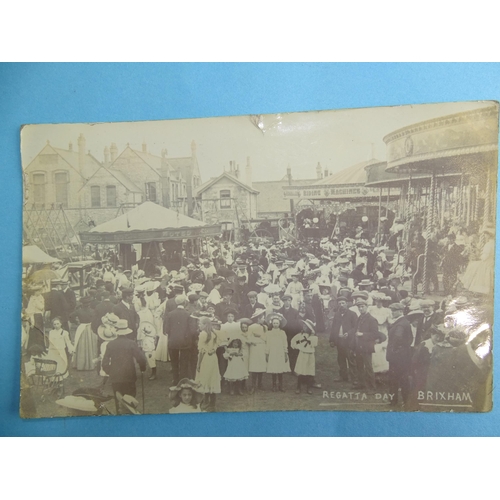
{"x": 35, "y": 255}
{"x": 148, "y": 222}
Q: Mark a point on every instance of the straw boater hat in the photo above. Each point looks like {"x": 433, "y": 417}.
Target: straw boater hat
{"x": 360, "y": 295}
{"x": 365, "y": 283}
{"x": 258, "y": 312}
{"x": 309, "y": 324}
{"x": 147, "y": 328}
{"x": 186, "y": 383}
{"x": 246, "y": 321}
{"x": 414, "y": 314}
{"x": 280, "y": 317}
{"x": 122, "y": 328}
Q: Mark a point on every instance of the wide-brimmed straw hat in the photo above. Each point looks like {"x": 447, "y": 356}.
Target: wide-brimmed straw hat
{"x": 150, "y": 286}
{"x": 309, "y": 325}
{"x": 122, "y": 328}
{"x": 106, "y": 332}
{"x": 196, "y": 287}
{"x": 78, "y": 403}
{"x": 245, "y": 321}
{"x": 258, "y": 312}
{"x": 280, "y": 317}
{"x": 147, "y": 328}
{"x": 185, "y": 383}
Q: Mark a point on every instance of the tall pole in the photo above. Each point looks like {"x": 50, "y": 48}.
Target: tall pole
{"x": 407, "y": 218}
{"x": 387, "y": 206}
{"x": 430, "y": 227}
{"x": 379, "y": 215}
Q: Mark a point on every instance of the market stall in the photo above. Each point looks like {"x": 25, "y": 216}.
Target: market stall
{"x": 149, "y": 231}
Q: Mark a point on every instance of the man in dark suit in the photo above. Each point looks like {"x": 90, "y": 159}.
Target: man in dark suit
{"x": 452, "y": 262}
{"x": 364, "y": 339}
{"x": 399, "y": 353}
{"x": 248, "y": 310}
{"x": 55, "y": 302}
{"x": 429, "y": 319}
{"x": 125, "y": 310}
{"x": 118, "y": 361}
{"x": 341, "y": 336}
{"x": 171, "y": 305}
{"x": 104, "y": 307}
{"x": 292, "y": 327}
{"x": 226, "y": 304}
{"x": 178, "y": 327}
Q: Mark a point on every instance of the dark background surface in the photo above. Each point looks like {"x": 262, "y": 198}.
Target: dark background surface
{"x": 52, "y": 93}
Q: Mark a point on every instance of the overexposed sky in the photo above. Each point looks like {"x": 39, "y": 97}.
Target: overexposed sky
{"x": 337, "y": 139}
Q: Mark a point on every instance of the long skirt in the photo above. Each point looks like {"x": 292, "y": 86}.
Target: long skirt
{"x": 85, "y": 348}
{"x": 36, "y": 335}
{"x": 161, "y": 352}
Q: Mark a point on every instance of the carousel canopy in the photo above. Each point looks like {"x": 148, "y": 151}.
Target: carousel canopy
{"x": 35, "y": 255}
{"x": 149, "y": 222}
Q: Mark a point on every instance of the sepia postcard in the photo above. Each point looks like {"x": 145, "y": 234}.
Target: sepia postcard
{"x": 322, "y": 261}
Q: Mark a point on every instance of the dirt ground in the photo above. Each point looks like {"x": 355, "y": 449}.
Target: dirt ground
{"x": 331, "y": 395}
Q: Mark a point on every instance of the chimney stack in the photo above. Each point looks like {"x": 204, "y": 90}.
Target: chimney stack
{"x": 326, "y": 173}
{"x": 113, "y": 151}
{"x": 70, "y": 147}
{"x": 248, "y": 172}
{"x": 318, "y": 171}
{"x": 164, "y": 153}
{"x": 106, "y": 156}
{"x": 144, "y": 147}
{"x": 81, "y": 153}
{"x": 237, "y": 171}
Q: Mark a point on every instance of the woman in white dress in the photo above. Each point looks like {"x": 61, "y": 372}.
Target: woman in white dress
{"x": 207, "y": 369}
{"x": 257, "y": 364}
{"x": 478, "y": 277}
{"x": 382, "y": 314}
{"x": 35, "y": 311}
{"x": 295, "y": 289}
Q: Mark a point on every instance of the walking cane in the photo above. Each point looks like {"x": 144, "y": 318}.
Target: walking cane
{"x": 142, "y": 386}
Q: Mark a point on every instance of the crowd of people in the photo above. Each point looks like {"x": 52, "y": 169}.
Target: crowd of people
{"x": 240, "y": 317}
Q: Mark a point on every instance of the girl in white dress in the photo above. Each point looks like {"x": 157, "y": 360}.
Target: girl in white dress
{"x": 207, "y": 369}
{"x": 257, "y": 364}
{"x": 305, "y": 367}
{"x": 236, "y": 371}
{"x": 185, "y": 397}
{"x": 277, "y": 350}
{"x": 59, "y": 341}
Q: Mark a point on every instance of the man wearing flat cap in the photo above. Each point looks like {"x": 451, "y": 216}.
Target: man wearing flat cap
{"x": 399, "y": 353}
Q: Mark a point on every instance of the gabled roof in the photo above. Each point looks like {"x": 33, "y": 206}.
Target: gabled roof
{"x": 119, "y": 176}
{"x": 212, "y": 181}
{"x": 71, "y": 158}
{"x": 153, "y": 161}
